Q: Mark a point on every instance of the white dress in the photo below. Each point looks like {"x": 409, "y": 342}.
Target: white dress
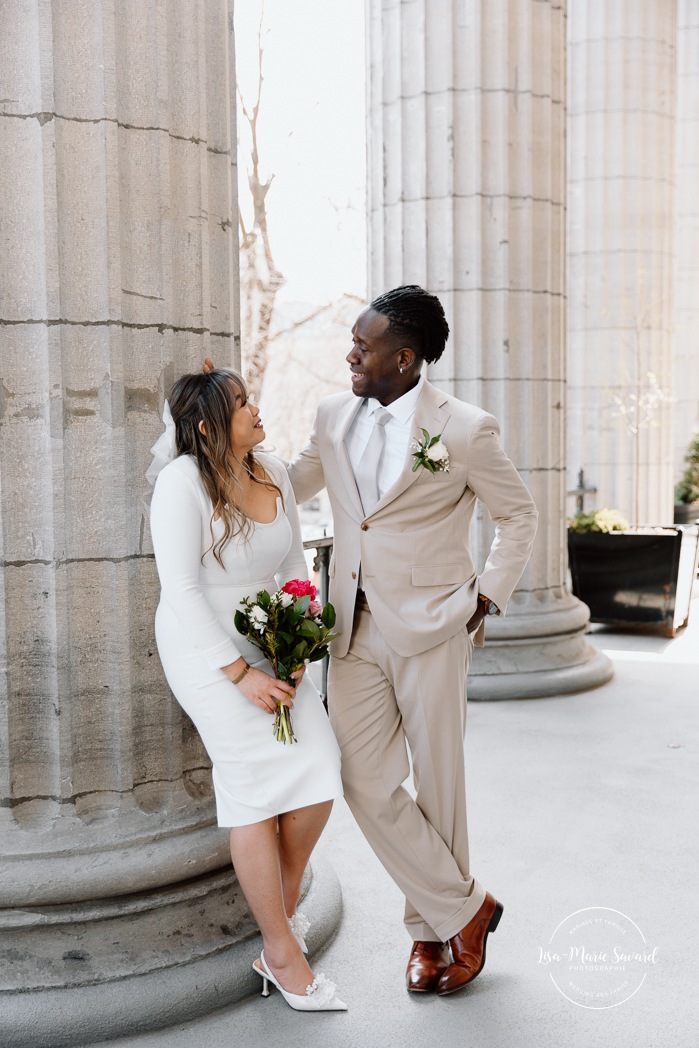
{"x": 255, "y": 777}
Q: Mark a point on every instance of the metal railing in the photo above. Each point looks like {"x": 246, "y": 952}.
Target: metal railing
{"x": 323, "y": 546}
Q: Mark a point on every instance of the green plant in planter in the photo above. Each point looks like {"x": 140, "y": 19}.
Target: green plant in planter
{"x": 600, "y": 520}
{"x": 687, "y": 491}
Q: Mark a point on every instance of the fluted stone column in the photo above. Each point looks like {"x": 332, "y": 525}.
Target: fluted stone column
{"x": 118, "y": 271}
{"x": 686, "y": 336}
{"x": 621, "y": 252}
{"x": 467, "y": 194}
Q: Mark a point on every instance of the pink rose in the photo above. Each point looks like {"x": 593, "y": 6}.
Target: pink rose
{"x": 314, "y": 608}
{"x": 299, "y": 588}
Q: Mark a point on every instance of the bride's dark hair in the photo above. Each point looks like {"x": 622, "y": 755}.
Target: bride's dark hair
{"x": 211, "y": 398}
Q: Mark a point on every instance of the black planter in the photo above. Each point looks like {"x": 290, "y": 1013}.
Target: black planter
{"x": 686, "y": 512}
{"x": 639, "y": 578}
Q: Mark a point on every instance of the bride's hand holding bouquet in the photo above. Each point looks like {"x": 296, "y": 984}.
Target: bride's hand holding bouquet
{"x": 291, "y": 628}
{"x": 260, "y": 687}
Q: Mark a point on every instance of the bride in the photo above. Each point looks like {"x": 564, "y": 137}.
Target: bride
{"x": 224, "y": 526}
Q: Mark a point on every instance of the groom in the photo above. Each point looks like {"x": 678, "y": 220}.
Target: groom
{"x": 410, "y": 606}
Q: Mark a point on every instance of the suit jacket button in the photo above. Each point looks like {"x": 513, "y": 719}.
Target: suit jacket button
{"x": 354, "y": 574}
{"x": 365, "y": 527}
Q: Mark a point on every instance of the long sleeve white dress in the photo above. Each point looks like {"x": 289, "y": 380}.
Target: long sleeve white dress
{"x": 255, "y": 777}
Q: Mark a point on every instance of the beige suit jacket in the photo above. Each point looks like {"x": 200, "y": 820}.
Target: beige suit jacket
{"x": 415, "y": 545}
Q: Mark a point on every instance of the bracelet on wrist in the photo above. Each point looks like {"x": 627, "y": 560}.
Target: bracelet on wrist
{"x": 242, "y": 673}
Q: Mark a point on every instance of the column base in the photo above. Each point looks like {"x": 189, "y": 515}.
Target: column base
{"x": 78, "y": 974}
{"x": 536, "y": 652}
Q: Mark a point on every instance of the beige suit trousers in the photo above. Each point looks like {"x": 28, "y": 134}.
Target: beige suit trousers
{"x": 378, "y": 700}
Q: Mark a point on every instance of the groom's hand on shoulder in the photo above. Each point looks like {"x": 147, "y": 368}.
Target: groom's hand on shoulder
{"x": 208, "y": 365}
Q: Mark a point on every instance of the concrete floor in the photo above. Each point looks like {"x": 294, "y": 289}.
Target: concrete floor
{"x": 584, "y": 801}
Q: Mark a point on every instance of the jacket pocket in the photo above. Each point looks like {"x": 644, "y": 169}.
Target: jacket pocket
{"x": 438, "y": 574}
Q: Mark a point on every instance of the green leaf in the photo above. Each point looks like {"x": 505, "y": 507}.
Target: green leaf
{"x": 301, "y": 605}
{"x": 433, "y": 442}
{"x": 264, "y": 599}
{"x": 241, "y": 623}
{"x": 417, "y": 466}
{"x": 425, "y": 435}
{"x": 328, "y": 616}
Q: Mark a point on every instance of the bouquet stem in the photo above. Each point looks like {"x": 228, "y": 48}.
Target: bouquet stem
{"x": 283, "y": 731}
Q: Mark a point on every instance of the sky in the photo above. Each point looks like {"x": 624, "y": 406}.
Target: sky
{"x": 311, "y": 137}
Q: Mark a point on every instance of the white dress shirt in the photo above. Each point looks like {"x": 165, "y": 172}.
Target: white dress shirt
{"x": 397, "y": 434}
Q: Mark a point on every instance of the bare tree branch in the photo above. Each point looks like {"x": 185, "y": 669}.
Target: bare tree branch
{"x": 260, "y": 277}
{"x": 312, "y": 316}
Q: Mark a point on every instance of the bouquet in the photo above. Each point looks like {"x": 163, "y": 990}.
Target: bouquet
{"x": 290, "y": 627}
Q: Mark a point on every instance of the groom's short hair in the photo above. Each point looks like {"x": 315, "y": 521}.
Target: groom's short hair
{"x": 416, "y": 318}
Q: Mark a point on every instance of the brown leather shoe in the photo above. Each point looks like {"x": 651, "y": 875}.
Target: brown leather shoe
{"x": 468, "y": 947}
{"x": 427, "y": 962}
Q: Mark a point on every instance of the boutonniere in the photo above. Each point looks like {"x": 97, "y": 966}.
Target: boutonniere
{"x": 431, "y": 452}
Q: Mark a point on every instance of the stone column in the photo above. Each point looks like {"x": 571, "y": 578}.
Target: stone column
{"x": 685, "y": 409}
{"x": 621, "y": 253}
{"x": 467, "y": 198}
{"x": 118, "y": 271}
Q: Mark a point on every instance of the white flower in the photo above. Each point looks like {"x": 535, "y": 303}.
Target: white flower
{"x": 258, "y": 617}
{"x": 285, "y": 599}
{"x": 321, "y": 991}
{"x": 438, "y": 452}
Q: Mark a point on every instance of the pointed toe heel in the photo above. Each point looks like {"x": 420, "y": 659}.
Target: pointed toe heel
{"x": 320, "y": 995}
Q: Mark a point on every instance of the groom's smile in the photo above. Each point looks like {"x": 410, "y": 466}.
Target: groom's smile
{"x": 376, "y": 359}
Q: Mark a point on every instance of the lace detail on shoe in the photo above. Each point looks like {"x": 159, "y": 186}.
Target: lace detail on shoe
{"x": 300, "y": 926}
{"x": 321, "y": 991}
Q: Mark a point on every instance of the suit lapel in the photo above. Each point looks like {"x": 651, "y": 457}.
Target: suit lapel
{"x": 345, "y": 419}
{"x": 431, "y": 414}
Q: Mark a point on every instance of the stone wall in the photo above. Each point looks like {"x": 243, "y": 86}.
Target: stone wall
{"x": 467, "y": 198}
{"x": 621, "y": 263}
{"x": 118, "y": 271}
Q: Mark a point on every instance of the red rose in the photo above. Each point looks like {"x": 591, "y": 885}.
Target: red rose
{"x": 297, "y": 588}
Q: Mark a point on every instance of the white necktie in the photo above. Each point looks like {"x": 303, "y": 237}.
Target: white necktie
{"x": 367, "y": 475}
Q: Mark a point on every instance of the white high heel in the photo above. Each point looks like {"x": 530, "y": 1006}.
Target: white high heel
{"x": 320, "y": 995}
{"x": 300, "y": 927}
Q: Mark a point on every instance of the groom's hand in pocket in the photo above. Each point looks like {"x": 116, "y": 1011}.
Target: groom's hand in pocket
{"x": 476, "y": 619}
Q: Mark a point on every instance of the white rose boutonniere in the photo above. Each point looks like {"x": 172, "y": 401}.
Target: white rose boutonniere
{"x": 431, "y": 453}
